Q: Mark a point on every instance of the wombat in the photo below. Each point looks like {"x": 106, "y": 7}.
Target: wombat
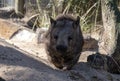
{"x": 64, "y": 41}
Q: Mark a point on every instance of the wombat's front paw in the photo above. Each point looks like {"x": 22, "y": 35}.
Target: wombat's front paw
{"x": 97, "y": 61}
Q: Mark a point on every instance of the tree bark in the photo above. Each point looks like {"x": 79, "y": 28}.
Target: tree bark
{"x": 109, "y": 44}
{"x": 108, "y": 40}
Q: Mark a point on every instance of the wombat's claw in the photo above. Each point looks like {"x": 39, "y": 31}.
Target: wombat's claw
{"x": 64, "y": 68}
{"x": 97, "y": 61}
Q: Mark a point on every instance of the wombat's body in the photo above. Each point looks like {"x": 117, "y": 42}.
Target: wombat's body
{"x": 65, "y": 41}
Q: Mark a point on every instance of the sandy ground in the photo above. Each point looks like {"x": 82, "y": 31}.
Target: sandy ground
{"x": 17, "y": 64}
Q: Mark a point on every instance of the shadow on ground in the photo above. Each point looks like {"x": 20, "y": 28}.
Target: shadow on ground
{"x": 41, "y": 72}
{"x": 11, "y": 56}
{"x": 35, "y": 70}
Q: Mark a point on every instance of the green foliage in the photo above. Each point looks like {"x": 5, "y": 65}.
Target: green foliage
{"x": 88, "y": 10}
{"x": 79, "y": 6}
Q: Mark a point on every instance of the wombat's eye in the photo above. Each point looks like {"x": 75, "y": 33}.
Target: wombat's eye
{"x": 70, "y": 38}
{"x": 55, "y": 37}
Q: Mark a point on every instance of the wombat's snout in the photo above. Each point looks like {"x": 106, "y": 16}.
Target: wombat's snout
{"x": 61, "y": 48}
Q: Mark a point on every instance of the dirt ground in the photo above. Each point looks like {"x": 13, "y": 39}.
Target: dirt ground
{"x": 17, "y": 64}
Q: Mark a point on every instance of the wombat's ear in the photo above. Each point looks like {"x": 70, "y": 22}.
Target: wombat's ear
{"x": 77, "y": 22}
{"x": 52, "y": 21}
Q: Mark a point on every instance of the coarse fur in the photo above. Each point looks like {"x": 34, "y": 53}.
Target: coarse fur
{"x": 64, "y": 41}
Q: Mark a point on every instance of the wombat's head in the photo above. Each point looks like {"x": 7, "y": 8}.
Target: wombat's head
{"x": 64, "y": 32}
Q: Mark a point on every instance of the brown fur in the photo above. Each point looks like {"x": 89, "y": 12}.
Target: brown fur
{"x": 64, "y": 50}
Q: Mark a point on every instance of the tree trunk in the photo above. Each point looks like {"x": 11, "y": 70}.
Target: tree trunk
{"x": 19, "y": 7}
{"x": 109, "y": 44}
{"x": 110, "y": 40}
{"x": 111, "y": 22}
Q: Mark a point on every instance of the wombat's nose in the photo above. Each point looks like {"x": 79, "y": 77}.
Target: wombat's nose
{"x": 61, "y": 48}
